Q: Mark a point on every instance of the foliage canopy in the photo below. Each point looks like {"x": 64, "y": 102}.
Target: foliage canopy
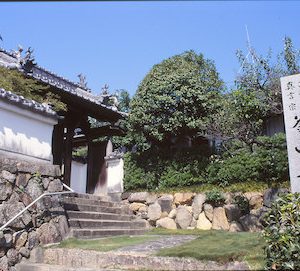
{"x": 176, "y": 98}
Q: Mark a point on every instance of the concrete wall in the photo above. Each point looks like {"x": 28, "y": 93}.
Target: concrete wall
{"x": 78, "y": 177}
{"x": 25, "y": 133}
{"x": 115, "y": 174}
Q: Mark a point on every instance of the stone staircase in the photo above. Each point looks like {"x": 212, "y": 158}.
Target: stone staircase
{"x": 91, "y": 216}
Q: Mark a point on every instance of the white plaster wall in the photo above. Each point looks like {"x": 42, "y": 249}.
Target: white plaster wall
{"x": 78, "y": 177}
{"x": 25, "y": 132}
{"x": 115, "y": 174}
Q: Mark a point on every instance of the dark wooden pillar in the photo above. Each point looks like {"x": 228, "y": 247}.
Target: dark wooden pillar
{"x": 96, "y": 175}
{"x": 68, "y": 154}
{"x": 57, "y": 144}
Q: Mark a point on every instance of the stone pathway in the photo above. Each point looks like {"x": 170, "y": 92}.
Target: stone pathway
{"x": 150, "y": 247}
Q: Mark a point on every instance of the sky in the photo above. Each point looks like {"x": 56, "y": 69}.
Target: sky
{"x": 117, "y": 43}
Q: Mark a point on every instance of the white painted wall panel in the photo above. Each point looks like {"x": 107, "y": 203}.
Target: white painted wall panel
{"x": 25, "y": 132}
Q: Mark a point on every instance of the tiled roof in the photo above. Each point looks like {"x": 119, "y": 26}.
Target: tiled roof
{"x": 26, "y": 103}
{"x": 41, "y": 74}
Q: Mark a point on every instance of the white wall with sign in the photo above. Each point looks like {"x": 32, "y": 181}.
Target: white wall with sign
{"x": 290, "y": 88}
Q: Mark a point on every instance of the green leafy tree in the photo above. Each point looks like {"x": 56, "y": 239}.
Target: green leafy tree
{"x": 176, "y": 98}
{"x": 14, "y": 81}
{"x": 257, "y": 94}
{"x": 124, "y": 100}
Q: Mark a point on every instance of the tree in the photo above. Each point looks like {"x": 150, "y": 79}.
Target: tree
{"x": 257, "y": 94}
{"x": 124, "y": 100}
{"x": 176, "y": 98}
{"x": 14, "y": 81}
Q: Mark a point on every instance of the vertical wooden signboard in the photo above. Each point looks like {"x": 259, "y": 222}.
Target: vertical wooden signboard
{"x": 290, "y": 88}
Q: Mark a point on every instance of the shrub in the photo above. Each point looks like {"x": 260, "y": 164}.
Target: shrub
{"x": 282, "y": 233}
{"x": 215, "y": 197}
{"x": 266, "y": 162}
{"x": 243, "y": 203}
{"x": 154, "y": 169}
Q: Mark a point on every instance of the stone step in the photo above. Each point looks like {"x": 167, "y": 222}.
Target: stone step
{"x": 97, "y": 215}
{"x": 81, "y": 259}
{"x": 86, "y": 201}
{"x": 106, "y": 224}
{"x": 50, "y": 267}
{"x": 98, "y": 233}
{"x": 94, "y": 197}
{"x": 93, "y": 208}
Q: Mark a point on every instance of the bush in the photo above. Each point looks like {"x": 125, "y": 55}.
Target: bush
{"x": 215, "y": 197}
{"x": 266, "y": 162}
{"x": 243, "y": 203}
{"x": 282, "y": 233}
{"x": 154, "y": 169}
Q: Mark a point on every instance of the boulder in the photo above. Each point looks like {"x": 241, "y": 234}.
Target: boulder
{"x": 9, "y": 210}
{"x": 151, "y": 199}
{"x": 12, "y": 256}
{"x": 33, "y": 240}
{"x": 251, "y": 223}
{"x": 183, "y": 217}
{"x": 48, "y": 233}
{"x": 233, "y": 212}
{"x": 164, "y": 214}
{"x": 193, "y": 223}
{"x": 166, "y": 223}
{"x": 272, "y": 194}
{"x": 138, "y": 197}
{"x": 24, "y": 252}
{"x": 15, "y": 197}
{"x": 5, "y": 189}
{"x": 209, "y": 211}
{"x": 235, "y": 227}
{"x": 197, "y": 205}
{"x": 143, "y": 209}
{"x": 135, "y": 206}
{"x": 165, "y": 203}
{"x": 55, "y": 186}
{"x": 4, "y": 263}
{"x": 203, "y": 223}
{"x": 256, "y": 201}
{"x": 34, "y": 189}
{"x": 183, "y": 198}
{"x": 228, "y": 198}
{"x": 42, "y": 168}
{"x": 6, "y": 240}
{"x": 220, "y": 220}
{"x": 2, "y": 252}
{"x": 22, "y": 179}
{"x": 62, "y": 225}
{"x": 20, "y": 239}
{"x": 172, "y": 214}
{"x": 249, "y": 195}
{"x": 6, "y": 175}
{"x": 8, "y": 164}
{"x": 154, "y": 212}
{"x": 46, "y": 182}
{"x": 125, "y": 195}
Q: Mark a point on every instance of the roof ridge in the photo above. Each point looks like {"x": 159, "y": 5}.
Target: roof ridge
{"x": 28, "y": 103}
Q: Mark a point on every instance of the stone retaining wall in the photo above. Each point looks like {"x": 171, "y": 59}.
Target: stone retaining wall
{"x": 45, "y": 222}
{"x": 191, "y": 210}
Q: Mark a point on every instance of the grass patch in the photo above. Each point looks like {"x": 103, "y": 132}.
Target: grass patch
{"x": 161, "y": 231}
{"x": 105, "y": 244}
{"x": 249, "y": 186}
{"x": 222, "y": 247}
